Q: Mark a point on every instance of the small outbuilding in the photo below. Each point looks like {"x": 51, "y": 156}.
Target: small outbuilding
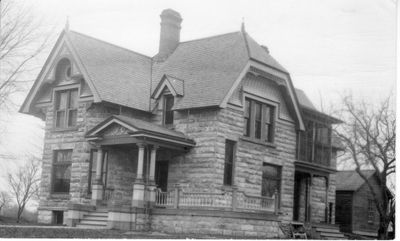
{"x": 356, "y": 210}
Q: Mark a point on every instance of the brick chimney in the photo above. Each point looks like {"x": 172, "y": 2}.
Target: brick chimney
{"x": 170, "y": 33}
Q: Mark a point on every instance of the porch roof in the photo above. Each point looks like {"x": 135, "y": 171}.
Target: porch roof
{"x": 133, "y": 130}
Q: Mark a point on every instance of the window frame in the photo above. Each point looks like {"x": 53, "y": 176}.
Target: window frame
{"x": 371, "y": 211}
{"x": 56, "y": 164}
{"x": 251, "y": 120}
{"x": 56, "y": 93}
{"x": 165, "y": 111}
{"x": 229, "y": 163}
{"x": 279, "y": 179}
{"x": 308, "y": 145}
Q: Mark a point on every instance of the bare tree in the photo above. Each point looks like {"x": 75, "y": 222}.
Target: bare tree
{"x": 24, "y": 184}
{"x": 5, "y": 199}
{"x": 21, "y": 41}
{"x": 369, "y": 136}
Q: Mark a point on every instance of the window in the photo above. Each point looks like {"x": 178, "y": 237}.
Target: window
{"x": 58, "y": 217}
{"x": 247, "y": 114}
{"x": 258, "y": 120}
{"x": 271, "y": 180}
{"x": 229, "y": 160}
{"x": 61, "y": 171}
{"x": 92, "y": 169}
{"x": 371, "y": 211}
{"x": 66, "y": 108}
{"x": 315, "y": 143}
{"x": 63, "y": 70}
{"x": 168, "y": 112}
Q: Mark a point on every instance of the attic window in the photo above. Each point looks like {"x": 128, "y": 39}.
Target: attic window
{"x": 168, "y": 113}
{"x": 68, "y": 72}
{"x": 63, "y": 70}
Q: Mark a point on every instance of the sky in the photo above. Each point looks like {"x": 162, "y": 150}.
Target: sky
{"x": 329, "y": 47}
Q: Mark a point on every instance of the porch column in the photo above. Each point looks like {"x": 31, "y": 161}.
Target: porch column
{"x": 97, "y": 189}
{"x": 152, "y": 171}
{"x": 138, "y": 185}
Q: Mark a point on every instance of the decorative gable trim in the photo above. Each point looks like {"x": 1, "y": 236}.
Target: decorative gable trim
{"x": 174, "y": 85}
{"x": 282, "y": 79}
{"x": 58, "y": 52}
{"x": 109, "y": 122}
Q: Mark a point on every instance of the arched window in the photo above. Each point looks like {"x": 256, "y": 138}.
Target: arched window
{"x": 63, "y": 70}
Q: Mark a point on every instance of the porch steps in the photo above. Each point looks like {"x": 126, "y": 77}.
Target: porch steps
{"x": 94, "y": 220}
{"x": 326, "y": 231}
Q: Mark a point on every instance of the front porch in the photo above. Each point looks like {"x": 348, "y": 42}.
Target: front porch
{"x": 130, "y": 181}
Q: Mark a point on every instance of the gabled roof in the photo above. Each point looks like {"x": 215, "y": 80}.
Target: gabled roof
{"x": 304, "y": 100}
{"x": 351, "y": 180}
{"x": 207, "y": 70}
{"x": 120, "y": 76}
{"x": 210, "y": 66}
{"x": 175, "y": 85}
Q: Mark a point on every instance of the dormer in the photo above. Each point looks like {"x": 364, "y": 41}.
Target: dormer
{"x": 168, "y": 91}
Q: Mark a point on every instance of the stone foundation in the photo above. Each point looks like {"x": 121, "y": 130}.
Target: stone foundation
{"x": 215, "y": 223}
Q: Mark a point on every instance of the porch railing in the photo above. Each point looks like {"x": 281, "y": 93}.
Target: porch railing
{"x": 164, "y": 199}
{"x": 232, "y": 200}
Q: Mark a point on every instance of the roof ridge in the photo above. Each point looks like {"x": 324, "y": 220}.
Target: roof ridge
{"x": 246, "y": 43}
{"x": 209, "y": 37}
{"x": 105, "y": 42}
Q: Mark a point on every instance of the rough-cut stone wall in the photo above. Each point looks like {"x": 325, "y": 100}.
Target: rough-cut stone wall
{"x": 122, "y": 167}
{"x": 197, "y": 168}
{"x": 88, "y": 116}
{"x": 251, "y": 156}
{"x": 231, "y": 227}
{"x": 318, "y": 199}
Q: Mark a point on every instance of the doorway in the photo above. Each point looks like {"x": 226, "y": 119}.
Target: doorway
{"x": 161, "y": 176}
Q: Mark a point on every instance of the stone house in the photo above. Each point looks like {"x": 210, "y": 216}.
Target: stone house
{"x": 206, "y": 136}
{"x": 356, "y": 210}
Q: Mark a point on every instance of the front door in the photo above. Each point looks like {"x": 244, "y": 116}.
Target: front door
{"x": 162, "y": 175}
{"x": 296, "y": 201}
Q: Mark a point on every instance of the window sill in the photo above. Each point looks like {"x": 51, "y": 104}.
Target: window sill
{"x": 259, "y": 142}
{"x": 75, "y": 128}
{"x": 64, "y": 196}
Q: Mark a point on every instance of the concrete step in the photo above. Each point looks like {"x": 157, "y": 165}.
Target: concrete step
{"x": 99, "y": 215}
{"x": 328, "y": 230}
{"x": 335, "y": 235}
{"x": 95, "y": 218}
{"x": 324, "y": 225}
{"x": 91, "y": 226}
{"x": 94, "y": 222}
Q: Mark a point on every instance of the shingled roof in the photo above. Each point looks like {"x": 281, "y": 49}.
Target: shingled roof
{"x": 208, "y": 67}
{"x": 351, "y": 180}
{"x": 119, "y": 75}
